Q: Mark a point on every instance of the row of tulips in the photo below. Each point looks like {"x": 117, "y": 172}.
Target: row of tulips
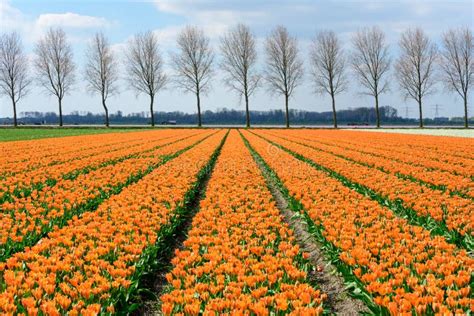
{"x": 396, "y": 267}
{"x": 28, "y": 155}
{"x": 455, "y": 151}
{"x": 448, "y": 154}
{"x": 393, "y": 163}
{"x": 22, "y": 184}
{"x": 25, "y": 220}
{"x": 26, "y": 150}
{"x": 50, "y": 156}
{"x": 239, "y": 256}
{"x": 95, "y": 263}
{"x": 452, "y": 212}
{"x": 456, "y": 159}
{"x": 25, "y": 174}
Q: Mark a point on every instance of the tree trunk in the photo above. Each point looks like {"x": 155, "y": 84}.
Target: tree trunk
{"x": 334, "y": 115}
{"x": 199, "y": 109}
{"x": 247, "y": 118}
{"x": 60, "y": 111}
{"x": 377, "y": 110}
{"x": 15, "y": 121}
{"x": 466, "y": 118}
{"x": 421, "y": 113}
{"x": 106, "y": 113}
{"x": 286, "y": 112}
{"x": 152, "y": 99}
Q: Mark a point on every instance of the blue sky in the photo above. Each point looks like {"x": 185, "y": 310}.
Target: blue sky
{"x": 121, "y": 19}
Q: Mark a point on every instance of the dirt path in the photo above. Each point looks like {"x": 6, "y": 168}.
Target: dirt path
{"x": 325, "y": 274}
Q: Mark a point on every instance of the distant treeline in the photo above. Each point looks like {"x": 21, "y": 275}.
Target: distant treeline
{"x": 356, "y": 116}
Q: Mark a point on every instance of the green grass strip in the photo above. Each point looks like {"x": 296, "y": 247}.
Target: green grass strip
{"x": 8, "y": 134}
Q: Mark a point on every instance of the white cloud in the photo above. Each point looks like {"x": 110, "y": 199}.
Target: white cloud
{"x": 11, "y": 19}
{"x": 70, "y": 19}
{"x": 167, "y": 35}
{"x": 213, "y": 17}
{"x": 173, "y": 6}
{"x": 31, "y": 28}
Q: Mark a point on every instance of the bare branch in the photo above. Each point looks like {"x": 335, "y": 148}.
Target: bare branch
{"x": 54, "y": 65}
{"x": 457, "y": 63}
{"x": 193, "y": 63}
{"x": 415, "y": 66}
{"x": 101, "y": 72}
{"x": 145, "y": 66}
{"x": 327, "y": 64}
{"x": 14, "y": 80}
{"x": 284, "y": 68}
{"x": 239, "y": 61}
{"x": 370, "y": 60}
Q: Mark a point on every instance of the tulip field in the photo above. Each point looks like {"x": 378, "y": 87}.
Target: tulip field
{"x": 88, "y": 223}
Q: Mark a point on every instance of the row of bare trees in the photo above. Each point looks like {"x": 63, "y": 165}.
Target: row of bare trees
{"x": 414, "y": 68}
{"x": 193, "y": 64}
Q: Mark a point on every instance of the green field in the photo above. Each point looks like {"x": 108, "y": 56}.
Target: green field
{"x": 12, "y": 134}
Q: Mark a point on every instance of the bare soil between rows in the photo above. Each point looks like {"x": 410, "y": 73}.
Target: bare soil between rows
{"x": 326, "y": 276}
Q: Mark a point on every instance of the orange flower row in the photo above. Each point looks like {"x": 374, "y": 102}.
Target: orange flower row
{"x": 24, "y": 174}
{"x": 391, "y": 162}
{"x": 85, "y": 266}
{"x": 402, "y": 266}
{"x": 46, "y": 176}
{"x": 239, "y": 256}
{"x": 449, "y": 154}
{"x": 26, "y": 216}
{"x": 455, "y": 211}
{"x": 27, "y": 155}
{"x": 434, "y": 146}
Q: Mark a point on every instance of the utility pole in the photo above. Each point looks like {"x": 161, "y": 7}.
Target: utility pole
{"x": 437, "y": 107}
{"x": 407, "y": 111}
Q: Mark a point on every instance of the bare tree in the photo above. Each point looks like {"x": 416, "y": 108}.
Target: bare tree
{"x": 101, "y": 72}
{"x": 193, "y": 63}
{"x": 55, "y": 66}
{"x": 415, "y": 66}
{"x": 457, "y": 62}
{"x": 14, "y": 78}
{"x": 284, "y": 68}
{"x": 240, "y": 58}
{"x": 328, "y": 66}
{"x": 370, "y": 60}
{"x": 145, "y": 67}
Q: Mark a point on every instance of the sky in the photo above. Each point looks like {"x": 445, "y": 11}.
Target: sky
{"x": 121, "y": 19}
